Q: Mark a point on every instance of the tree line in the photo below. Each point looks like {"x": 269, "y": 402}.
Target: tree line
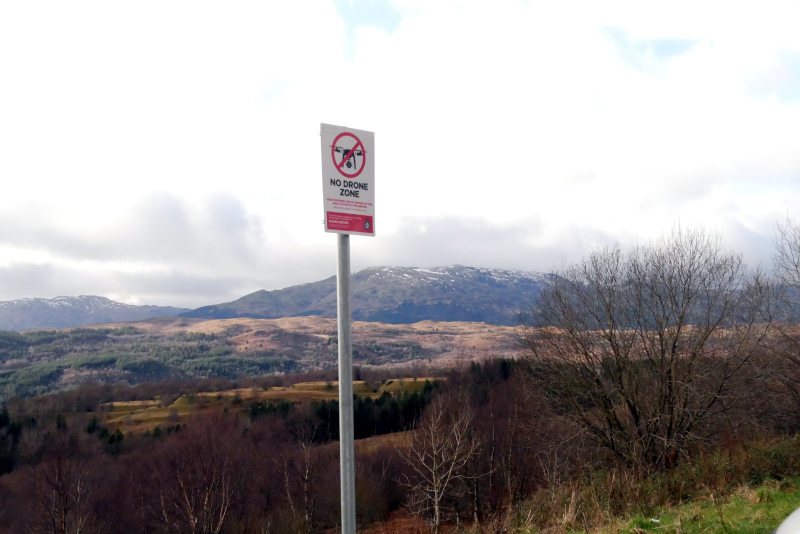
{"x": 257, "y": 469}
{"x": 654, "y": 350}
{"x": 489, "y": 449}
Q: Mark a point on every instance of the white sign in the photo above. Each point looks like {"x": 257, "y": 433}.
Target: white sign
{"x": 348, "y": 180}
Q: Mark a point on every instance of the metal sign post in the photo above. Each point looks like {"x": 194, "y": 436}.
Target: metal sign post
{"x": 347, "y": 460}
{"x": 348, "y": 191}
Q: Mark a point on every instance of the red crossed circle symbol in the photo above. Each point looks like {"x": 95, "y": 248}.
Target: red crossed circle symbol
{"x": 350, "y": 154}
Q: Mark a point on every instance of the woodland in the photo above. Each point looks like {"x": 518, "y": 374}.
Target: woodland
{"x": 647, "y": 379}
{"x": 37, "y": 362}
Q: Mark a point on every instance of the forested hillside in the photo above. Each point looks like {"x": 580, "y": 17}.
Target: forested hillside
{"x": 40, "y": 361}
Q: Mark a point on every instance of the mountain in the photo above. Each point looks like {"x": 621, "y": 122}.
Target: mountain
{"x": 398, "y": 295}
{"x": 64, "y": 312}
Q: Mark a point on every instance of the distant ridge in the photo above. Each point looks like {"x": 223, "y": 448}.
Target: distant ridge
{"x": 65, "y": 312}
{"x": 399, "y": 295}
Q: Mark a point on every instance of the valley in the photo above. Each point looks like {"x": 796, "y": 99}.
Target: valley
{"x": 42, "y": 361}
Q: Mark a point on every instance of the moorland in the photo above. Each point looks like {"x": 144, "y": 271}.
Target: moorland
{"x": 41, "y": 361}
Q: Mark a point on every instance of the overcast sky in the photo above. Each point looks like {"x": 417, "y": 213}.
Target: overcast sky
{"x": 168, "y": 152}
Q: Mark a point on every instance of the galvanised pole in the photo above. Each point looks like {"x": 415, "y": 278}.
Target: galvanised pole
{"x": 347, "y": 454}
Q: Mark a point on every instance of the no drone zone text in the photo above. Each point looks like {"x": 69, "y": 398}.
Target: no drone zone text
{"x": 348, "y": 188}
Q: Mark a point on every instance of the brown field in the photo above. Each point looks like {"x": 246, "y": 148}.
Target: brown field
{"x": 399, "y": 522}
{"x": 130, "y": 406}
{"x": 139, "y": 416}
{"x": 406, "y": 384}
{"x": 398, "y": 439}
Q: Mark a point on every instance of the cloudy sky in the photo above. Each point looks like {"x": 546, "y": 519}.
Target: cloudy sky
{"x": 168, "y": 152}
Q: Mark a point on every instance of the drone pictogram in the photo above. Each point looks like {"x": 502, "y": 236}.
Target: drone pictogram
{"x": 348, "y": 154}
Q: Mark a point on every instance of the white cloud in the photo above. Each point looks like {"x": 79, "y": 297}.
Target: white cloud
{"x": 182, "y": 137}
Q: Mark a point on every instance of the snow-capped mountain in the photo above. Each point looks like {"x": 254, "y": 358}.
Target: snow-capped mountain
{"x": 64, "y": 312}
{"x": 399, "y": 295}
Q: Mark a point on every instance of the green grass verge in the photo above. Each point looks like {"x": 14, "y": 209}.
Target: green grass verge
{"x": 747, "y": 511}
{"x": 751, "y": 487}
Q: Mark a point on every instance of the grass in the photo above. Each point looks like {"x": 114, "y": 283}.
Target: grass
{"x": 359, "y": 387}
{"x": 138, "y": 416}
{"x": 374, "y": 443}
{"x": 746, "y": 511}
{"x": 130, "y": 406}
{"x": 750, "y": 487}
{"x": 405, "y": 384}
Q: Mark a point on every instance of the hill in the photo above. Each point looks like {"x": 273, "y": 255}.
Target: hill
{"x": 398, "y": 295}
{"x": 41, "y": 361}
{"x": 66, "y": 312}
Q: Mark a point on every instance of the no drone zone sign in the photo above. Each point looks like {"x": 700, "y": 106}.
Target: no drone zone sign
{"x": 348, "y": 180}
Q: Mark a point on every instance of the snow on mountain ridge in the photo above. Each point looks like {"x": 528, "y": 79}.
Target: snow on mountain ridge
{"x": 449, "y": 274}
{"x": 398, "y": 295}
{"x": 65, "y": 312}
{"x": 82, "y": 301}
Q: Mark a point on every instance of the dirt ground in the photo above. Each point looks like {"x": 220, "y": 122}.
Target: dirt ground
{"x": 400, "y": 522}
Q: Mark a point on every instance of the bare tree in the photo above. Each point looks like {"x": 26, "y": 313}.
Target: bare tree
{"x": 787, "y": 253}
{"x": 64, "y": 486}
{"x": 199, "y": 478}
{"x": 438, "y": 453}
{"x": 642, "y": 349}
{"x": 787, "y": 272}
{"x": 306, "y": 430}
